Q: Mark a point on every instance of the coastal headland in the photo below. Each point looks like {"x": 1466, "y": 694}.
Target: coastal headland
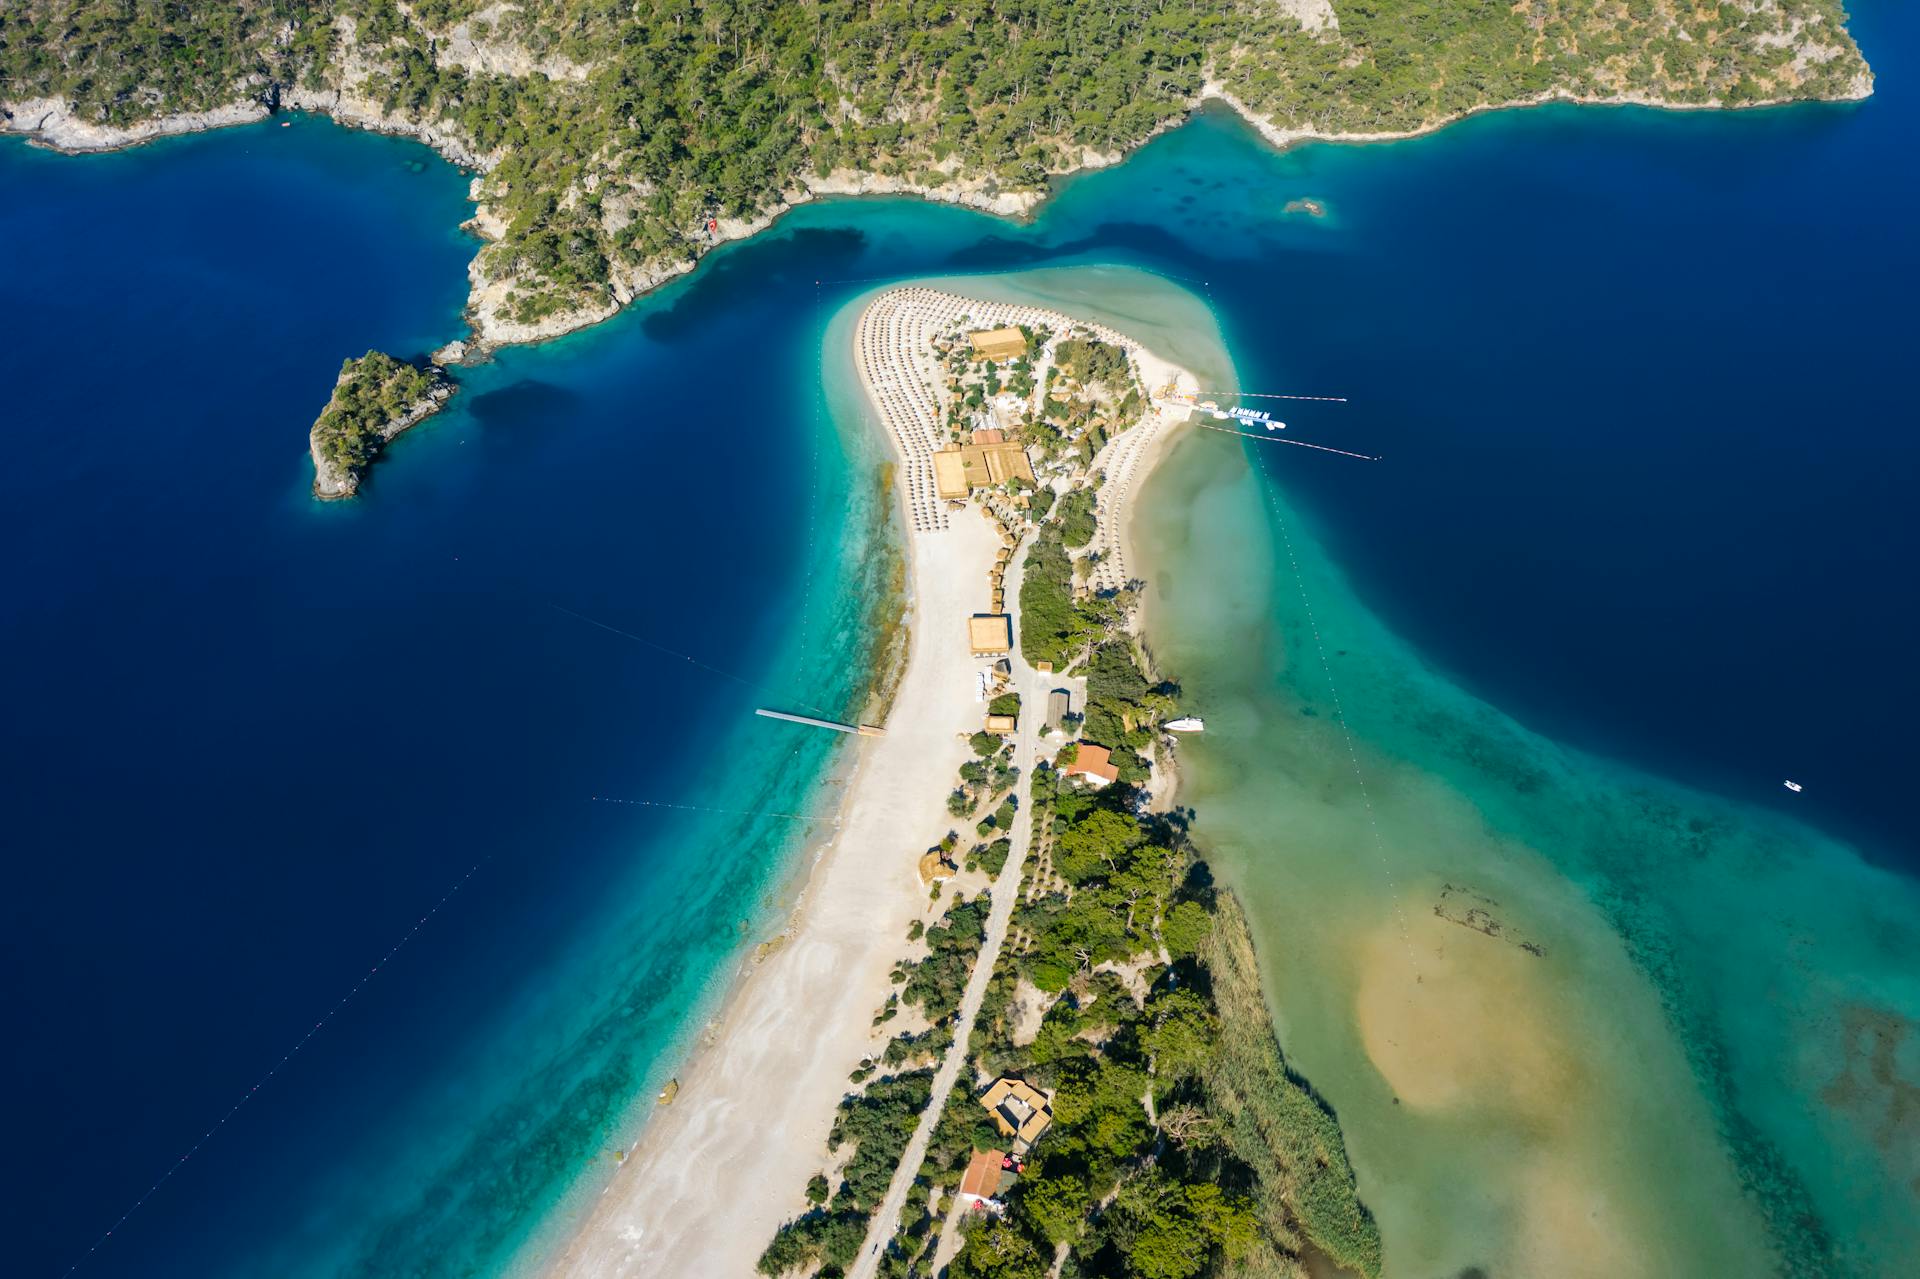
{"x": 579, "y": 218}
{"x": 585, "y": 200}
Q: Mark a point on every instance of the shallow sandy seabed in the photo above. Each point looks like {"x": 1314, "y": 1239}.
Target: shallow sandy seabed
{"x": 1673, "y": 1084}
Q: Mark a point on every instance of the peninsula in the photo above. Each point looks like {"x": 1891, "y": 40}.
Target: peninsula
{"x": 1009, "y": 920}
{"x": 615, "y": 145}
{"x": 375, "y": 398}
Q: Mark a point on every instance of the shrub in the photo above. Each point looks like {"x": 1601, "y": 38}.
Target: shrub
{"x": 1077, "y": 521}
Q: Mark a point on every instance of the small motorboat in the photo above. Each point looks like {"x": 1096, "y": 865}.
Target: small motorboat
{"x": 1186, "y": 724}
{"x": 1793, "y": 786}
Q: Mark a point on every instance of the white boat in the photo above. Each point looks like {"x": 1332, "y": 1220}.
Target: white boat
{"x": 1794, "y": 787}
{"x": 1186, "y": 724}
{"x": 1276, "y": 426}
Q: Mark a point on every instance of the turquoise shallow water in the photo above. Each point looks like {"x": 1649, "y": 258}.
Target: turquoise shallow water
{"x": 1686, "y": 1047}
{"x": 259, "y": 739}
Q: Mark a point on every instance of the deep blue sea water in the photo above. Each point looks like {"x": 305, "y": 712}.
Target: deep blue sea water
{"x": 253, "y": 739}
{"x": 1638, "y": 379}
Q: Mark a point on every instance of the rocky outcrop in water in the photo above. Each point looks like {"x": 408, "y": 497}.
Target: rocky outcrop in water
{"x": 375, "y": 398}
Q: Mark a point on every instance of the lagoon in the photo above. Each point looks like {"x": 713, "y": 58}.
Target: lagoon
{"x": 1628, "y": 562}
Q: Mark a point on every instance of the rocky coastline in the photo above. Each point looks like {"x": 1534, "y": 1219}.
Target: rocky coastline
{"x": 360, "y": 112}
{"x": 52, "y": 123}
{"x": 1859, "y": 90}
{"x": 488, "y": 298}
{"x": 338, "y": 469}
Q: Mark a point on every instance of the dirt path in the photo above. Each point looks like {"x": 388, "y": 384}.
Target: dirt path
{"x": 1006, "y": 891}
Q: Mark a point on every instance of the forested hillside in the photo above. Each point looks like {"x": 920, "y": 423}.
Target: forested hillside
{"x": 613, "y": 131}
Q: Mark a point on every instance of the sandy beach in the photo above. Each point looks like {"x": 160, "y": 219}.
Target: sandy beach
{"x": 1128, "y": 460}
{"x": 715, "y": 1173}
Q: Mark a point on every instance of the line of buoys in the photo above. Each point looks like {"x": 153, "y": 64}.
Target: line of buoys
{"x": 703, "y": 808}
{"x": 1346, "y": 732}
{"x": 813, "y": 483}
{"x": 1299, "y": 444}
{"x": 1268, "y": 395}
{"x": 285, "y": 1057}
{"x": 692, "y": 661}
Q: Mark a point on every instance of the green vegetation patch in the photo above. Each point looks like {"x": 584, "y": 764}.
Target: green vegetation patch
{"x": 1270, "y": 1118}
{"x": 1180, "y": 1145}
{"x": 936, "y": 982}
{"x": 373, "y": 394}
{"x": 1091, "y": 362}
{"x": 879, "y": 1123}
{"x": 1052, "y": 628}
{"x": 1077, "y": 520}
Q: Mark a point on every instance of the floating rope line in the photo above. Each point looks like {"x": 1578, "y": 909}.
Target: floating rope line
{"x": 1279, "y": 439}
{"x": 1206, "y": 285}
{"x": 285, "y": 1057}
{"x": 1346, "y": 734}
{"x": 1263, "y": 395}
{"x": 691, "y": 661}
{"x": 813, "y": 482}
{"x": 703, "y": 808}
{"x": 859, "y": 279}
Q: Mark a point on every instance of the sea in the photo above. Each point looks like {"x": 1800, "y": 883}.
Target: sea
{"x": 370, "y": 865}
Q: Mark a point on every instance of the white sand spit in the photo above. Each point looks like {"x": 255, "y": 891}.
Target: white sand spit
{"x": 715, "y": 1174}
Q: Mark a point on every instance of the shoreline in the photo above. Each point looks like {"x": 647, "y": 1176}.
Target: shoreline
{"x": 713, "y": 1175}
{"x": 1282, "y": 137}
{"x": 54, "y": 127}
{"x": 335, "y": 481}
{"x": 703, "y": 1190}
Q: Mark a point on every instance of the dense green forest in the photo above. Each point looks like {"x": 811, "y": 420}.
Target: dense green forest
{"x": 1182, "y": 1146}
{"x": 374, "y": 392}
{"x": 615, "y": 130}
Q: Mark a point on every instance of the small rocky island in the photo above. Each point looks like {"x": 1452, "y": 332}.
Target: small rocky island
{"x": 375, "y": 399}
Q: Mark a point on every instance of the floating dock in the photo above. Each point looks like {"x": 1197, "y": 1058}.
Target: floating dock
{"x": 858, "y": 730}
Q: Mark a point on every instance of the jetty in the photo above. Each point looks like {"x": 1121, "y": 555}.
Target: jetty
{"x": 859, "y": 730}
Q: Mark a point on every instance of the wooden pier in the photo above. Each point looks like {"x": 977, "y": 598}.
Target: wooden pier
{"x": 858, "y": 730}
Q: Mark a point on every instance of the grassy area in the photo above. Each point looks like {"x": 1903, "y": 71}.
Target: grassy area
{"x": 1271, "y": 1119}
